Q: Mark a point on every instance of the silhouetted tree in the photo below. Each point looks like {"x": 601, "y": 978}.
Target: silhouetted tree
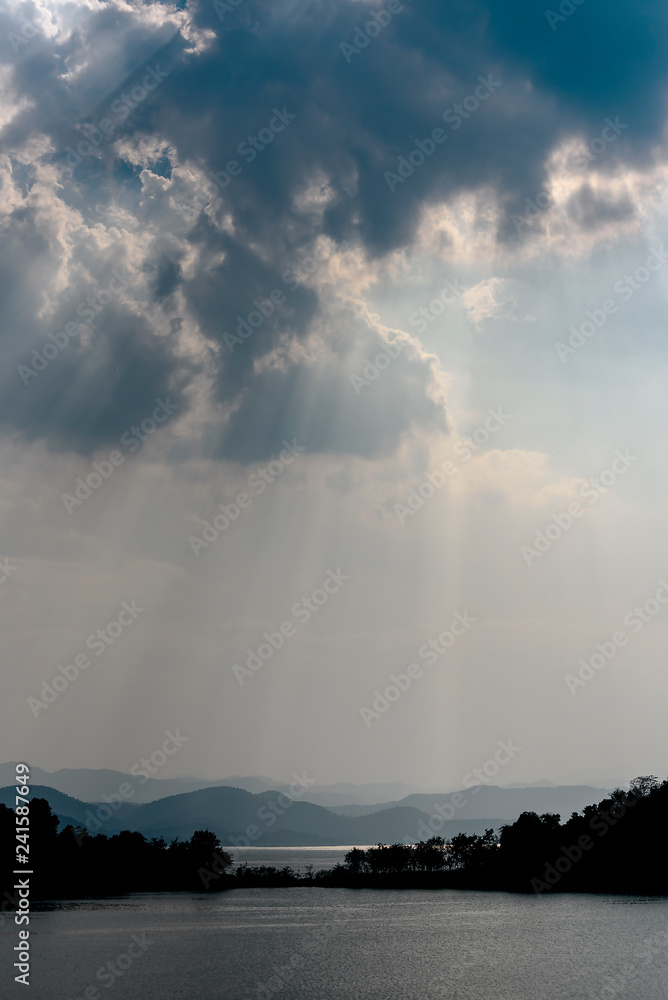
{"x": 616, "y": 845}
{"x": 355, "y": 861}
{"x": 470, "y": 852}
{"x": 429, "y": 855}
{"x": 645, "y": 785}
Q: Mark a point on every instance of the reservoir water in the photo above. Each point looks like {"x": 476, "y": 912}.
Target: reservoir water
{"x": 297, "y": 858}
{"x": 331, "y": 944}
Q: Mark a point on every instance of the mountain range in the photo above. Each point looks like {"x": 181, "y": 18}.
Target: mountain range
{"x": 92, "y": 785}
{"x": 274, "y": 817}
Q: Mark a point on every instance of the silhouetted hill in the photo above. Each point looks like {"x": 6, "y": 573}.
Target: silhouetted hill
{"x": 229, "y": 812}
{"x": 339, "y": 794}
{"x": 357, "y": 810}
{"x": 490, "y": 800}
{"x": 90, "y": 785}
{"x": 270, "y": 819}
{"x": 509, "y": 803}
{"x": 541, "y": 783}
{"x": 70, "y": 810}
{"x": 614, "y": 846}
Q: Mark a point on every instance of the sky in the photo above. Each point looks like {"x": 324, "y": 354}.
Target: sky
{"x": 332, "y": 422}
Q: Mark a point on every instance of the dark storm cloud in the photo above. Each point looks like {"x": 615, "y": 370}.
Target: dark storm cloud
{"x": 103, "y": 369}
{"x": 592, "y": 211}
{"x": 346, "y": 123}
{"x": 355, "y": 119}
{"x": 108, "y": 47}
{"x": 601, "y": 58}
{"x": 167, "y": 278}
{"x": 223, "y": 297}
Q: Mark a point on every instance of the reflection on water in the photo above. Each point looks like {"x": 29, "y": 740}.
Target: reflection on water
{"x": 331, "y": 944}
{"x": 297, "y": 858}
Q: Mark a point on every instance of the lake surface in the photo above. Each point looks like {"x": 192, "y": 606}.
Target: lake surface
{"x": 297, "y": 858}
{"x": 342, "y": 944}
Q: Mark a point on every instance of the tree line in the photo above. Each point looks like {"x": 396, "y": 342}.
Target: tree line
{"x": 615, "y": 846}
{"x": 72, "y": 864}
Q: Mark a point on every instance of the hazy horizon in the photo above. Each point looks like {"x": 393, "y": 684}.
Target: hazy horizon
{"x": 163, "y": 772}
{"x": 334, "y": 413}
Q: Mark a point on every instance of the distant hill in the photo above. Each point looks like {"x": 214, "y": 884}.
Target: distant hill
{"x": 491, "y": 800}
{"x": 509, "y": 803}
{"x": 71, "y": 810}
{"x": 541, "y": 783}
{"x": 343, "y": 798}
{"x": 229, "y": 812}
{"x": 339, "y": 794}
{"x": 357, "y": 810}
{"x": 90, "y": 785}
